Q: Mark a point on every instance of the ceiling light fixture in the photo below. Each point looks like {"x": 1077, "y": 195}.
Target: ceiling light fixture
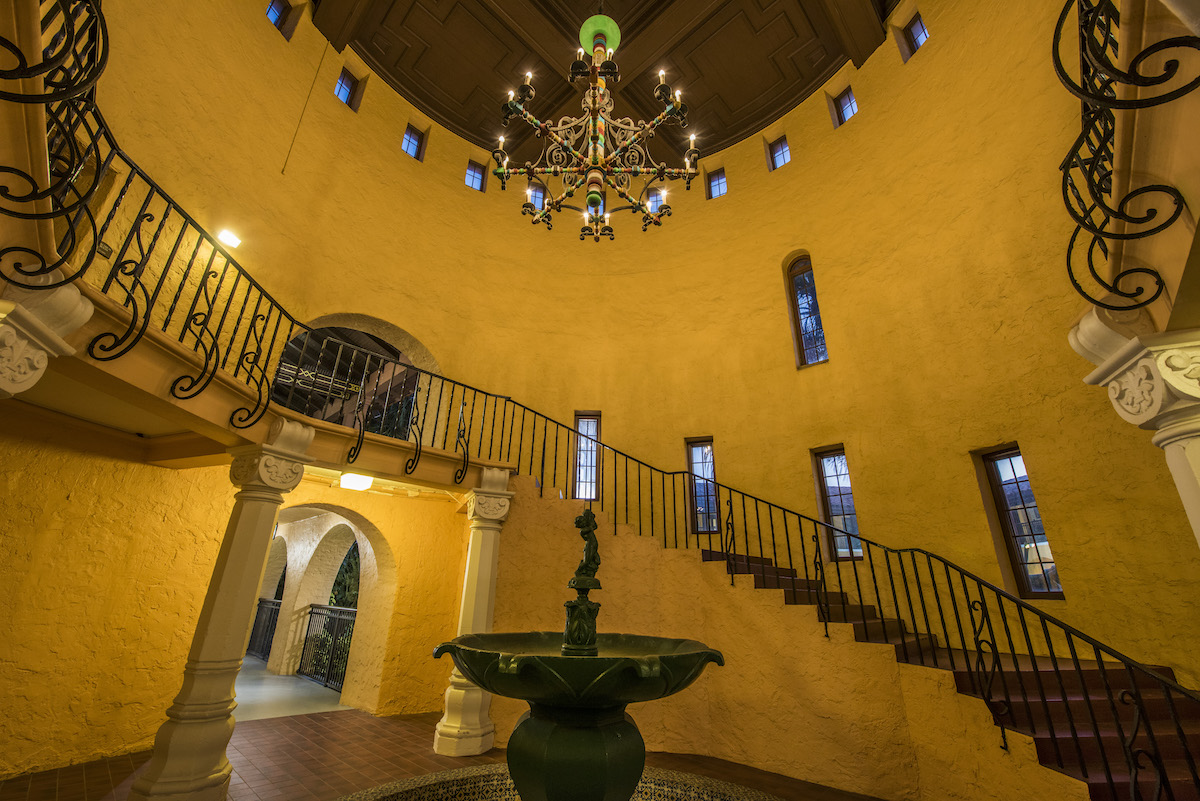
{"x": 596, "y": 151}
{"x": 355, "y": 481}
{"x": 229, "y": 238}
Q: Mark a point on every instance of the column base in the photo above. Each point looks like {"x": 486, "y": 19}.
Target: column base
{"x": 465, "y": 729}
{"x": 208, "y": 788}
{"x": 452, "y": 742}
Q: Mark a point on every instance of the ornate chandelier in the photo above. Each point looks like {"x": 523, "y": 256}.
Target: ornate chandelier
{"x": 596, "y": 151}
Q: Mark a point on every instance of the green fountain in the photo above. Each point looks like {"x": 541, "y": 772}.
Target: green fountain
{"x": 577, "y": 743}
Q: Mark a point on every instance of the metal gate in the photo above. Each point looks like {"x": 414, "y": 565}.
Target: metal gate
{"x": 327, "y": 645}
{"x": 263, "y": 633}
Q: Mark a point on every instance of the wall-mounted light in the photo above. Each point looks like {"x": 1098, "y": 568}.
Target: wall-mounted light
{"x": 355, "y": 481}
{"x": 229, "y": 238}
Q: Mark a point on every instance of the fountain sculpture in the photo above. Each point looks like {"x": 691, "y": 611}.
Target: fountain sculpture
{"x": 577, "y": 743}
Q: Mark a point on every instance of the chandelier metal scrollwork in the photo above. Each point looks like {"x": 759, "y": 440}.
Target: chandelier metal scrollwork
{"x": 596, "y": 151}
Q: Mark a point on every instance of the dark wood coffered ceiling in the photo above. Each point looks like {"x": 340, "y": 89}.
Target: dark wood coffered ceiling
{"x": 741, "y": 64}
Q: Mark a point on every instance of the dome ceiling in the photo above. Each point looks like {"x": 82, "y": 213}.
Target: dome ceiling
{"x": 741, "y": 63}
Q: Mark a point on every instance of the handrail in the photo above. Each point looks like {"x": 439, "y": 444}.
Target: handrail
{"x": 169, "y": 273}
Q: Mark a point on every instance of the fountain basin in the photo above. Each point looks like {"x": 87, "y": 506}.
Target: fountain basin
{"x": 627, "y": 669}
{"x": 576, "y": 743}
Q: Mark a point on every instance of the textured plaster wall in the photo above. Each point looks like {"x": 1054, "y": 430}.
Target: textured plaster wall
{"x": 934, "y": 224}
{"x": 105, "y": 569}
{"x": 107, "y": 564}
{"x": 832, "y": 711}
{"x": 276, "y": 561}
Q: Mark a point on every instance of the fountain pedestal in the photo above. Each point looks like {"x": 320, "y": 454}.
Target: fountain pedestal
{"x": 576, "y": 743}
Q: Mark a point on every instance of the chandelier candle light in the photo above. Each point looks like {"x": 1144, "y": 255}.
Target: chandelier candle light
{"x": 595, "y": 151}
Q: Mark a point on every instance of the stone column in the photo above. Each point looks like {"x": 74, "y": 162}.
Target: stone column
{"x": 189, "y": 750}
{"x": 1153, "y": 382}
{"x": 466, "y": 727}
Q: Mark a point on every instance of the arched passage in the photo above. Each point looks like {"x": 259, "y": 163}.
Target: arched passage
{"x": 270, "y": 590}
{"x": 318, "y": 537}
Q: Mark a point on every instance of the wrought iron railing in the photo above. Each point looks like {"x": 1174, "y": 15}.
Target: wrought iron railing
{"x": 327, "y": 645}
{"x": 1087, "y": 170}
{"x": 1037, "y": 673}
{"x": 262, "y": 635}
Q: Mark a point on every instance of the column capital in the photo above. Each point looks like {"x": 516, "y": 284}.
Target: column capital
{"x": 1154, "y": 380}
{"x": 278, "y": 463}
{"x": 31, "y": 335}
{"x": 491, "y": 501}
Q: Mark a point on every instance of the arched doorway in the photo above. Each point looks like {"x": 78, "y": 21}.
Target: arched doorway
{"x": 321, "y": 541}
{"x": 355, "y": 371}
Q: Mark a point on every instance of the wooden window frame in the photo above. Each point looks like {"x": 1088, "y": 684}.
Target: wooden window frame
{"x": 910, "y": 39}
{"x": 599, "y": 483}
{"x": 1000, "y": 508}
{"x": 357, "y": 86}
{"x": 837, "y": 105}
{"x": 803, "y": 264}
{"x": 708, "y": 183}
{"x": 781, "y": 141}
{"x": 482, "y": 176}
{"x": 422, "y": 138}
{"x": 692, "y": 523}
{"x": 829, "y": 541}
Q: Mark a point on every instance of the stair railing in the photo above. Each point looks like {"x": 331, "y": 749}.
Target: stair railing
{"x": 1038, "y": 674}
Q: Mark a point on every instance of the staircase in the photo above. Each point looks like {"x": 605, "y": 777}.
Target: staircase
{"x": 1069, "y": 707}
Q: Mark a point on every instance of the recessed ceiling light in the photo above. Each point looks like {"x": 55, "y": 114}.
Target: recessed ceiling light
{"x": 229, "y": 238}
{"x": 355, "y": 481}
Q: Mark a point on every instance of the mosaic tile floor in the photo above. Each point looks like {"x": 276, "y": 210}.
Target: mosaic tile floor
{"x": 324, "y": 756}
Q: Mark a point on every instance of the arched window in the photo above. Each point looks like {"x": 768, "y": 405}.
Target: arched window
{"x": 807, "y": 331}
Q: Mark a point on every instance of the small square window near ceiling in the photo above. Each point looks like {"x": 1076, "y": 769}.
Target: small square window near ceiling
{"x": 277, "y": 12}
{"x": 654, "y": 200}
{"x": 716, "y": 183}
{"x": 475, "y": 175}
{"x": 536, "y": 195}
{"x": 344, "y": 89}
{"x": 780, "y": 154}
{"x": 846, "y": 106}
{"x": 916, "y": 33}
{"x": 413, "y": 139}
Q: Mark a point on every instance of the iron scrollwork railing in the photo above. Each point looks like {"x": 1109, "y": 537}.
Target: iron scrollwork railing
{"x": 1088, "y": 169}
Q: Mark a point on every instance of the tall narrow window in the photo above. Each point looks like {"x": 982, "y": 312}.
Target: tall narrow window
{"x": 780, "y": 154}
{"x": 413, "y": 142}
{"x": 705, "y": 511}
{"x": 1033, "y": 564}
{"x": 475, "y": 175}
{"x": 587, "y": 456}
{"x": 346, "y": 87}
{"x": 807, "y": 331}
{"x": 838, "y": 503}
{"x": 916, "y": 33}
{"x": 716, "y": 183}
{"x": 845, "y": 105}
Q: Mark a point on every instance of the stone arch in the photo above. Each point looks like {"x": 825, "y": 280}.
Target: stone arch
{"x": 392, "y": 334}
{"x": 318, "y": 537}
{"x": 276, "y": 562}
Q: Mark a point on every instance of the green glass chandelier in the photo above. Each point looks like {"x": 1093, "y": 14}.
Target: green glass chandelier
{"x": 596, "y": 152}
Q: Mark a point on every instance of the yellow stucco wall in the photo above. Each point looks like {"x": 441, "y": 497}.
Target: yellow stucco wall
{"x": 106, "y": 566}
{"x": 108, "y": 563}
{"x": 788, "y": 700}
{"x": 934, "y": 224}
